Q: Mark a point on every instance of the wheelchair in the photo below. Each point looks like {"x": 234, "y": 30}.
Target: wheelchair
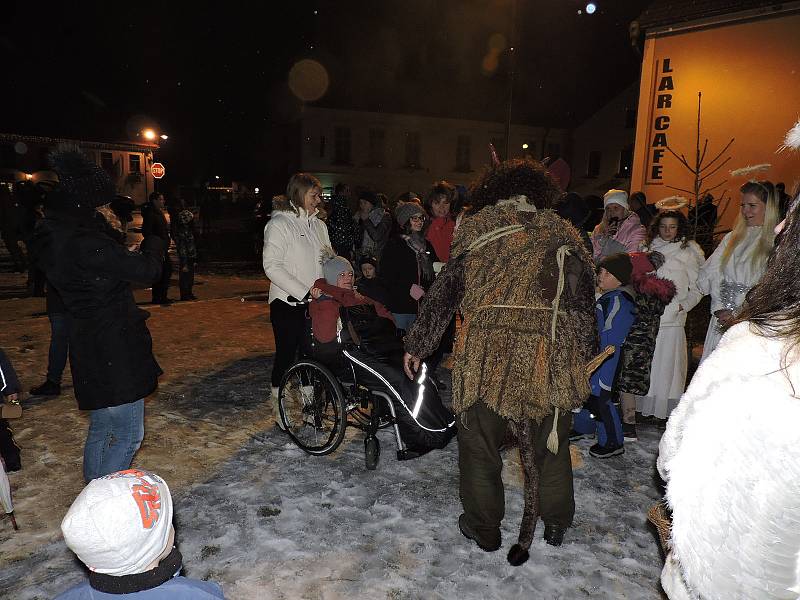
{"x": 316, "y": 407}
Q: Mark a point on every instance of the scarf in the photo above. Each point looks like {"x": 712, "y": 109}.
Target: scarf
{"x": 416, "y": 242}
{"x": 168, "y": 568}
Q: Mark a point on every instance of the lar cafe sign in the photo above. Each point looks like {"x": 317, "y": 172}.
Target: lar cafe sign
{"x": 665, "y": 87}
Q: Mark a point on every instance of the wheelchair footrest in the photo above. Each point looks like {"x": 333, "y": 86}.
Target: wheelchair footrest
{"x": 408, "y": 454}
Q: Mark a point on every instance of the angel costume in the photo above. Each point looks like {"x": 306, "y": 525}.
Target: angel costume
{"x": 731, "y": 461}
{"x": 670, "y": 359}
{"x": 729, "y": 283}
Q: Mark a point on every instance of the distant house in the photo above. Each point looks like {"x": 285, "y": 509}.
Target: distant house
{"x": 128, "y": 163}
{"x": 743, "y": 55}
{"x": 396, "y": 153}
{"x": 602, "y": 149}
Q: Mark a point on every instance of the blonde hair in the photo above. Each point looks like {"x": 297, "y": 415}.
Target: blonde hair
{"x": 296, "y": 189}
{"x": 764, "y": 191}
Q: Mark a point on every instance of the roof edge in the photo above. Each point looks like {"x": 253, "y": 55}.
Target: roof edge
{"x": 753, "y": 14}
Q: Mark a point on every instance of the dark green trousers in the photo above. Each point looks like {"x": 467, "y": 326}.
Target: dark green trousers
{"x": 480, "y": 434}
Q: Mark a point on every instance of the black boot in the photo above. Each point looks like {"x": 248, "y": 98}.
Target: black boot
{"x": 554, "y": 535}
{"x": 48, "y": 388}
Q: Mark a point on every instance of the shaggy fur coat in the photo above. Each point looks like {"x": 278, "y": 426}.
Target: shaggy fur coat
{"x": 504, "y": 354}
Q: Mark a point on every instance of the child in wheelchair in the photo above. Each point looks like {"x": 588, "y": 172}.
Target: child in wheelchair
{"x": 354, "y": 333}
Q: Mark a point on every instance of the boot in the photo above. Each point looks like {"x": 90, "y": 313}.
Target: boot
{"x": 48, "y": 388}
{"x": 276, "y": 408}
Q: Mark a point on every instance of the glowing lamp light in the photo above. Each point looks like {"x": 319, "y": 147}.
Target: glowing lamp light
{"x": 524, "y": 146}
{"x": 591, "y": 7}
{"x": 164, "y": 137}
{"x": 257, "y": 190}
{"x": 149, "y": 134}
{"x": 216, "y": 176}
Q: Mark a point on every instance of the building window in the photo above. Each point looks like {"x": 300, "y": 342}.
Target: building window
{"x": 413, "y": 150}
{"x": 134, "y": 163}
{"x": 630, "y": 118}
{"x": 625, "y": 162}
{"x": 322, "y": 146}
{"x": 107, "y": 162}
{"x": 593, "y": 164}
{"x": 341, "y": 149}
{"x": 377, "y": 147}
{"x": 463, "y": 150}
{"x": 553, "y": 150}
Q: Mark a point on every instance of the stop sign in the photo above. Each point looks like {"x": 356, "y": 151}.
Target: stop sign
{"x": 158, "y": 170}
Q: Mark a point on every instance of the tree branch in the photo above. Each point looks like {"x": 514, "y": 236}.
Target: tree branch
{"x": 717, "y": 157}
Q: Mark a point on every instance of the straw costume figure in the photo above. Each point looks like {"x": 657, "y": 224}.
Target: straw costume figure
{"x": 524, "y": 283}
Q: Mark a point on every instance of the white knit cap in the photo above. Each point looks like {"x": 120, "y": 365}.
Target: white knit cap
{"x": 616, "y": 197}
{"x": 120, "y": 523}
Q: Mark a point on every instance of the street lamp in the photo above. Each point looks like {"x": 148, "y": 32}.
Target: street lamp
{"x": 151, "y": 136}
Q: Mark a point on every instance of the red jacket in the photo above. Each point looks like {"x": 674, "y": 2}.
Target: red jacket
{"x": 325, "y": 311}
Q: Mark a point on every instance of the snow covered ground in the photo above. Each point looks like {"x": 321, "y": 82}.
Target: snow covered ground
{"x": 265, "y": 520}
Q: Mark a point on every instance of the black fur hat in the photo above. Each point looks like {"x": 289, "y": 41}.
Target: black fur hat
{"x": 82, "y": 184}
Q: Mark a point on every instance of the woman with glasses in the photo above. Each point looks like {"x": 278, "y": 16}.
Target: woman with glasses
{"x": 407, "y": 264}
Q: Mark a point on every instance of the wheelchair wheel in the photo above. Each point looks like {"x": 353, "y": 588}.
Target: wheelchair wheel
{"x": 312, "y": 407}
{"x": 372, "y": 452}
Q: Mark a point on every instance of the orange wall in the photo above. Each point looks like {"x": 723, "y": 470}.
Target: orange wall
{"x": 749, "y": 75}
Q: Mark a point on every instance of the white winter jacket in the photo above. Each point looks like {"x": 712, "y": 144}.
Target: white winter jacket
{"x": 731, "y": 459}
{"x": 681, "y": 266}
{"x": 293, "y": 243}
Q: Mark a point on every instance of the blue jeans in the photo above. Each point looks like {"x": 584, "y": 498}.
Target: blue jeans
{"x": 59, "y": 346}
{"x": 404, "y": 321}
{"x": 115, "y": 434}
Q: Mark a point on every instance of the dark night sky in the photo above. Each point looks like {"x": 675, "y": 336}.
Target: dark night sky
{"x": 214, "y": 76}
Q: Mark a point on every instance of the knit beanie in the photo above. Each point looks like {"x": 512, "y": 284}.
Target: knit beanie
{"x": 616, "y": 197}
{"x": 619, "y": 265}
{"x": 405, "y": 211}
{"x": 368, "y": 260}
{"x": 82, "y": 183}
{"x": 333, "y": 267}
{"x": 120, "y": 523}
{"x": 369, "y": 196}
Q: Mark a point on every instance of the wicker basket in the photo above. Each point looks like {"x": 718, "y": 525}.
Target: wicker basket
{"x": 659, "y": 517}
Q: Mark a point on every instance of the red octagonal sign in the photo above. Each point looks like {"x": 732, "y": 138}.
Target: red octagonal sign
{"x": 158, "y": 170}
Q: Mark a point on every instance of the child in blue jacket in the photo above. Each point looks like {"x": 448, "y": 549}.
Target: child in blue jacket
{"x": 616, "y": 312}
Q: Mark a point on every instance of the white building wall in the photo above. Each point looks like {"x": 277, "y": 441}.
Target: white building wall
{"x": 438, "y": 143}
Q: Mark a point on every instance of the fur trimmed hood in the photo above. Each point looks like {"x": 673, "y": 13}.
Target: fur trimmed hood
{"x": 283, "y": 205}
{"x": 651, "y": 284}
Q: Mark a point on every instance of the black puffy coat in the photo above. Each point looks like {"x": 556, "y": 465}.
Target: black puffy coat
{"x": 110, "y": 348}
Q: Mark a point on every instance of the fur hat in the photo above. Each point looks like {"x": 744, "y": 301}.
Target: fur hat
{"x": 619, "y": 265}
{"x": 119, "y": 524}
{"x": 333, "y": 266}
{"x": 82, "y": 183}
{"x": 616, "y": 197}
{"x": 405, "y": 211}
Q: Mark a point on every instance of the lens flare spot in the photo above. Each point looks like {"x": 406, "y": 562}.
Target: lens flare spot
{"x": 308, "y": 80}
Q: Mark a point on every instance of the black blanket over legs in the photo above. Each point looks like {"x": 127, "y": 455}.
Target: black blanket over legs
{"x": 377, "y": 354}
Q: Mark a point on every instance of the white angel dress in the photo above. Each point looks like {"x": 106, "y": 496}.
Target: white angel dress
{"x": 670, "y": 358}
{"x": 729, "y": 284}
